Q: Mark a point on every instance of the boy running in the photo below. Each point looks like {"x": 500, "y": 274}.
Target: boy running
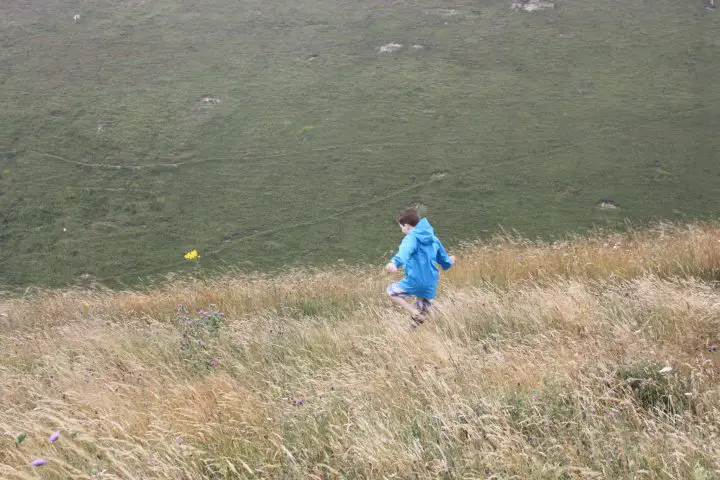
{"x": 418, "y": 254}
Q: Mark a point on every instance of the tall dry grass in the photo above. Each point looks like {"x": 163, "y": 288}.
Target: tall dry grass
{"x": 542, "y": 361}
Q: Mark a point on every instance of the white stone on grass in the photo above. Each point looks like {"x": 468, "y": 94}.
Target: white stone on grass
{"x": 532, "y": 5}
{"x": 391, "y": 47}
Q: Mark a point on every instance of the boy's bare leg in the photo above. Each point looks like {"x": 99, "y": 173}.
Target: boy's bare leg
{"x": 400, "y": 301}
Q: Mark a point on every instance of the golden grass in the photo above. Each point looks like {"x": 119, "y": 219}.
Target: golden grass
{"x": 542, "y": 361}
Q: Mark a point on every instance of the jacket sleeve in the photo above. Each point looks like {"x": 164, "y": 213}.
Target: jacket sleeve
{"x": 442, "y": 257}
{"x": 407, "y": 248}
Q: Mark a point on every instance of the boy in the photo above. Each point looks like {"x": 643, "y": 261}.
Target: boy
{"x": 419, "y": 251}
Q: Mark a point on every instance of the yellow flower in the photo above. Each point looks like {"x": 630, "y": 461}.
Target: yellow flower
{"x": 192, "y": 255}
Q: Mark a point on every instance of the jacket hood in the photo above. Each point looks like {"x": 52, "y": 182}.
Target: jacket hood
{"x": 423, "y": 232}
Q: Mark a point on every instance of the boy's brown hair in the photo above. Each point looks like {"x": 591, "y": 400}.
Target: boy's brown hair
{"x": 409, "y": 216}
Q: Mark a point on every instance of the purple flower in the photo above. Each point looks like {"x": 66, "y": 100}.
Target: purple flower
{"x": 53, "y": 438}
{"x": 214, "y": 363}
{"x": 38, "y": 462}
{"x": 200, "y": 341}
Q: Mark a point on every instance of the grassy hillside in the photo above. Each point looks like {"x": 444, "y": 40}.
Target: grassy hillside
{"x": 543, "y": 361}
{"x": 275, "y": 133}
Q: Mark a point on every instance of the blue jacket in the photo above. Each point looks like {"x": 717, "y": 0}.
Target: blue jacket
{"x": 418, "y": 254}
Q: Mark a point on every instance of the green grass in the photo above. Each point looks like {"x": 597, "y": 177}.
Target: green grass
{"x": 533, "y": 118}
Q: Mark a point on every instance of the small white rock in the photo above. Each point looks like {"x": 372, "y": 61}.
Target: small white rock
{"x": 390, "y": 47}
{"x": 532, "y": 5}
{"x": 76, "y": 17}
{"x": 64, "y": 229}
{"x": 666, "y": 369}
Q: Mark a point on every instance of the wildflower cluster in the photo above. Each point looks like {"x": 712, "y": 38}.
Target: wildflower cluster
{"x": 198, "y": 329}
{"x": 38, "y": 462}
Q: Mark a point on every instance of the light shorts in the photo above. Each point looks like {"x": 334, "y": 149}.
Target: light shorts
{"x": 395, "y": 290}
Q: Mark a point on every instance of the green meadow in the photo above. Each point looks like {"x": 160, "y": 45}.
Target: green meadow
{"x": 270, "y": 134}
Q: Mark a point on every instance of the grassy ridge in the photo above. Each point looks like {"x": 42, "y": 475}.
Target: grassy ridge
{"x": 115, "y": 157}
{"x": 543, "y": 361}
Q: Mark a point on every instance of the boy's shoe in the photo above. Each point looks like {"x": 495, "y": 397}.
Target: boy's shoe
{"x": 417, "y": 320}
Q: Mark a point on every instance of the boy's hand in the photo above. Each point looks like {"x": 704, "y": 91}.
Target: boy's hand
{"x": 452, "y": 259}
{"x": 391, "y": 267}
